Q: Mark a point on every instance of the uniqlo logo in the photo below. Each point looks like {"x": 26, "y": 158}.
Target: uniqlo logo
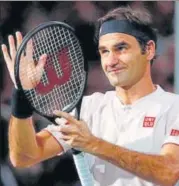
{"x": 148, "y": 121}
{"x": 174, "y": 132}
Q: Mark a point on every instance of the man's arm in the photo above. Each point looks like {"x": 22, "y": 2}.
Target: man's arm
{"x": 26, "y": 147}
{"x": 160, "y": 169}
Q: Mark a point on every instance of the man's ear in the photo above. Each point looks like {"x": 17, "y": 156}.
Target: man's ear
{"x": 150, "y": 50}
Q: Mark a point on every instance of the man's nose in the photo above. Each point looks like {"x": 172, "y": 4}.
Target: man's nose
{"x": 113, "y": 59}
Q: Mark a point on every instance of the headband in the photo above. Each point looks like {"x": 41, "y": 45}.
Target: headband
{"x": 122, "y": 26}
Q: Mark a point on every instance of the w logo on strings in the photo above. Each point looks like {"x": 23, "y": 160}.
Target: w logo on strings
{"x": 51, "y": 70}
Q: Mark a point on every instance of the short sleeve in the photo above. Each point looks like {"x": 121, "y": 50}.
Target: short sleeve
{"x": 172, "y": 127}
{"x": 172, "y": 134}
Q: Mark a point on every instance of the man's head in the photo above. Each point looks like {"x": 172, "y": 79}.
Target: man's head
{"x": 127, "y": 44}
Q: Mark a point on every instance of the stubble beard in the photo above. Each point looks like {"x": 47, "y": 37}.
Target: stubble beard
{"x": 114, "y": 80}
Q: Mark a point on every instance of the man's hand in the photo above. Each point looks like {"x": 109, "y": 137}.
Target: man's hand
{"x": 76, "y": 132}
{"x": 30, "y": 72}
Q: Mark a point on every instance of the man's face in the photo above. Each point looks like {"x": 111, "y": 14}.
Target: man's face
{"x": 122, "y": 59}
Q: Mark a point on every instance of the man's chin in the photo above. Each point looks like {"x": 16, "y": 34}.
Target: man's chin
{"x": 115, "y": 84}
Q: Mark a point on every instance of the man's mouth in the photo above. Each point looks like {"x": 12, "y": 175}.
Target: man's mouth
{"x": 116, "y": 70}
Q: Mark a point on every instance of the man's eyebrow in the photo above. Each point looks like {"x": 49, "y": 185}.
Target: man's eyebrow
{"x": 122, "y": 43}
{"x": 101, "y": 47}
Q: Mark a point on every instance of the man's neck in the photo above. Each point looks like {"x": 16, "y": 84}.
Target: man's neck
{"x": 131, "y": 94}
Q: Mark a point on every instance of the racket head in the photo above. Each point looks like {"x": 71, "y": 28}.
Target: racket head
{"x": 65, "y": 65}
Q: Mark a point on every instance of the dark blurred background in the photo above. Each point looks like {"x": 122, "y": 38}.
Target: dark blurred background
{"x": 23, "y": 16}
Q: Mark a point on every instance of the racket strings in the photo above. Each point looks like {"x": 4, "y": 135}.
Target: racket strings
{"x": 59, "y": 44}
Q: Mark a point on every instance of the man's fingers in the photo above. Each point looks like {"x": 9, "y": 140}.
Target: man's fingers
{"x": 7, "y": 59}
{"x": 67, "y": 116}
{"x": 18, "y": 38}
{"x": 12, "y": 47}
{"x": 61, "y": 121}
{"x": 68, "y": 129}
{"x": 41, "y": 64}
{"x": 5, "y": 54}
{"x": 65, "y": 137}
{"x": 29, "y": 50}
{"x": 42, "y": 61}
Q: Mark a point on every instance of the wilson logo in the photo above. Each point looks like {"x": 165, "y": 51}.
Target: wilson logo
{"x": 51, "y": 73}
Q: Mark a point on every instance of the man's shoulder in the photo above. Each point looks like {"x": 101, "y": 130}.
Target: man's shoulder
{"x": 97, "y": 100}
{"x": 93, "y": 103}
{"x": 169, "y": 100}
{"x": 98, "y": 96}
{"x": 163, "y": 96}
{"x": 169, "y": 96}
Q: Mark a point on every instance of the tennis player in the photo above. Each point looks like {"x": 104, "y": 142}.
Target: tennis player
{"x": 130, "y": 135}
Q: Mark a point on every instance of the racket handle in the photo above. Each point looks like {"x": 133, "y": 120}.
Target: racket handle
{"x": 82, "y": 167}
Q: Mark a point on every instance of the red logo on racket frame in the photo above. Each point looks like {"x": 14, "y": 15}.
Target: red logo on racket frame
{"x": 51, "y": 73}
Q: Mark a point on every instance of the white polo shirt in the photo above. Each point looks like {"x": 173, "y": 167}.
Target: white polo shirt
{"x": 143, "y": 126}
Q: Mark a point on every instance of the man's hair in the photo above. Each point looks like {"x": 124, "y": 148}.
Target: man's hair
{"x": 140, "y": 18}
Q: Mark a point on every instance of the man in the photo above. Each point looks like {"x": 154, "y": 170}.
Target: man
{"x": 130, "y": 135}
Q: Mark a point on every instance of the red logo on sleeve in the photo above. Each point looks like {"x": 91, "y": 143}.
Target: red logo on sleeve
{"x": 174, "y": 132}
{"x": 149, "y": 121}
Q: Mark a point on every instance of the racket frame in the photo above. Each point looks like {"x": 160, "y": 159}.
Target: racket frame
{"x": 26, "y": 38}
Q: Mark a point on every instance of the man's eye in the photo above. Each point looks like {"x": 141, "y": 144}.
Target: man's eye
{"x": 104, "y": 51}
{"x": 121, "y": 48}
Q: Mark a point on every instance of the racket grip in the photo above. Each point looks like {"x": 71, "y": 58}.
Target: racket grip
{"x": 83, "y": 170}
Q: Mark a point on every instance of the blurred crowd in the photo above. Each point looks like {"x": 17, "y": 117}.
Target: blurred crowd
{"x": 23, "y": 16}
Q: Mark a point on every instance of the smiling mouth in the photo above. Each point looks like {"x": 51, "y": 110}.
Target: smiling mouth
{"x": 116, "y": 70}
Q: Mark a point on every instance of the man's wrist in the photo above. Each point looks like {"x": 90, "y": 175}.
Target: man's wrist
{"x": 20, "y": 105}
{"x": 93, "y": 145}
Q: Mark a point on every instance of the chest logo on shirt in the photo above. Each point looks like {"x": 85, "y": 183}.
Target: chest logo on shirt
{"x": 149, "y": 121}
{"x": 174, "y": 132}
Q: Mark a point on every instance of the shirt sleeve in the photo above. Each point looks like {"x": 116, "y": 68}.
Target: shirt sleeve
{"x": 172, "y": 127}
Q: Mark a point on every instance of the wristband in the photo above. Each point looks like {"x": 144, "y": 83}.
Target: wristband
{"x": 20, "y": 105}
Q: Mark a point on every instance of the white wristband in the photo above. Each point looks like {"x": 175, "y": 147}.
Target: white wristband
{"x": 54, "y": 130}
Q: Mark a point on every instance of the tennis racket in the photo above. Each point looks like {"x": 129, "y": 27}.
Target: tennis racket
{"x": 59, "y": 82}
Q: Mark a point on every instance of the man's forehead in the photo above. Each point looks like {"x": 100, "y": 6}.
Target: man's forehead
{"x": 114, "y": 38}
